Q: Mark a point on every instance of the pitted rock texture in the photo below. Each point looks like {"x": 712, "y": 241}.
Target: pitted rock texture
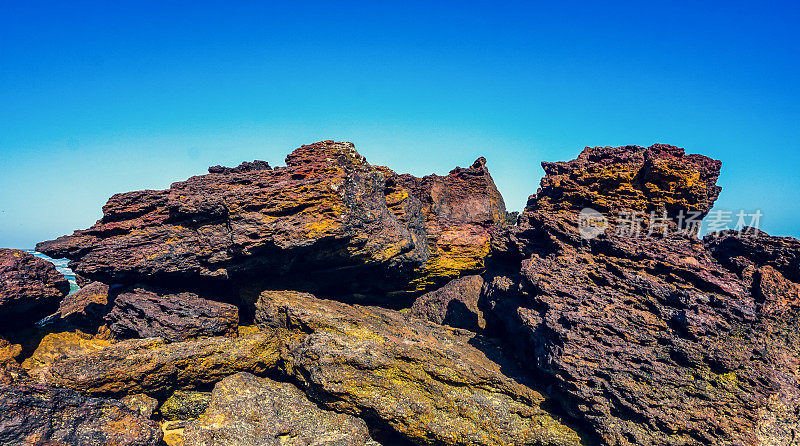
{"x": 30, "y": 288}
{"x": 185, "y": 405}
{"x": 456, "y": 304}
{"x": 647, "y": 340}
{"x": 154, "y": 367}
{"x": 328, "y": 220}
{"x": 431, "y": 384}
{"x": 84, "y": 308}
{"x": 250, "y": 411}
{"x": 659, "y": 178}
{"x": 141, "y": 313}
{"x": 38, "y": 415}
{"x": 141, "y": 403}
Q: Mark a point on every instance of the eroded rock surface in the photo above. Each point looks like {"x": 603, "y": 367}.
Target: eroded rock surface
{"x": 250, "y": 411}
{"x": 185, "y": 405}
{"x": 432, "y": 384}
{"x": 328, "y": 220}
{"x": 142, "y": 313}
{"x": 648, "y": 340}
{"x": 152, "y": 366}
{"x": 456, "y": 304}
{"x": 38, "y": 415}
{"x": 30, "y": 288}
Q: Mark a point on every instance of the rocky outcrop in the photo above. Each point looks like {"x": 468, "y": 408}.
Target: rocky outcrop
{"x": 456, "y": 304}
{"x": 185, "y": 405}
{"x": 327, "y": 221}
{"x": 251, "y": 411}
{"x": 38, "y": 415}
{"x": 647, "y": 340}
{"x": 659, "y": 178}
{"x": 431, "y": 384}
{"x": 142, "y": 313}
{"x": 154, "y": 367}
{"x": 30, "y": 288}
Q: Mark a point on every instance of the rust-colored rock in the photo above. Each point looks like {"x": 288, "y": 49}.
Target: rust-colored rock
{"x": 153, "y": 367}
{"x": 659, "y": 178}
{"x": 38, "y": 415}
{"x": 429, "y": 383}
{"x": 251, "y": 411}
{"x": 142, "y": 313}
{"x": 456, "y": 304}
{"x": 646, "y": 340}
{"x": 327, "y": 221}
{"x": 30, "y": 288}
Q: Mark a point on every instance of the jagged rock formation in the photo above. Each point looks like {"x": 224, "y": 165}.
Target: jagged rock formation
{"x": 659, "y": 178}
{"x": 431, "y": 384}
{"x": 328, "y": 221}
{"x": 648, "y": 340}
{"x": 250, "y": 411}
{"x": 30, "y": 288}
{"x": 555, "y": 338}
{"x": 38, "y": 415}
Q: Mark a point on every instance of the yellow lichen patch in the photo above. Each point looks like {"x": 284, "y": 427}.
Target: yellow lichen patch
{"x": 56, "y": 346}
{"x": 455, "y": 253}
{"x": 318, "y": 228}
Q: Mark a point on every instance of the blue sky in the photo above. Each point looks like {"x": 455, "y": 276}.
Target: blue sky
{"x": 104, "y": 97}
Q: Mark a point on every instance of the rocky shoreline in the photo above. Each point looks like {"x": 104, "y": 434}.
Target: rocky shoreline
{"x": 334, "y": 302}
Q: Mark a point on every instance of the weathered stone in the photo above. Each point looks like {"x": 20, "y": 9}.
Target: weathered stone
{"x": 141, "y": 403}
{"x": 8, "y": 351}
{"x": 432, "y": 384}
{"x": 38, "y": 415}
{"x": 153, "y": 367}
{"x": 328, "y": 221}
{"x": 30, "y": 288}
{"x": 659, "y": 178}
{"x": 455, "y": 304}
{"x": 251, "y": 411}
{"x": 173, "y": 432}
{"x": 142, "y": 313}
{"x": 58, "y": 346}
{"x": 754, "y": 247}
{"x": 185, "y": 405}
{"x": 646, "y": 340}
{"x": 83, "y": 309}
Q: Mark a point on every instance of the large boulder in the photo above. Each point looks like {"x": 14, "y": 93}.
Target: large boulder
{"x": 142, "y": 313}
{"x": 659, "y": 178}
{"x": 327, "y": 221}
{"x": 30, "y": 288}
{"x": 250, "y": 411}
{"x": 39, "y": 415}
{"x": 647, "y": 340}
{"x": 429, "y": 383}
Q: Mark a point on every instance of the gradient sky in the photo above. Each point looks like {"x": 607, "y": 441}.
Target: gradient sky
{"x": 104, "y": 97}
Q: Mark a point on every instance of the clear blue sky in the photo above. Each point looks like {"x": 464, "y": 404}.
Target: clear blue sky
{"x": 105, "y": 97}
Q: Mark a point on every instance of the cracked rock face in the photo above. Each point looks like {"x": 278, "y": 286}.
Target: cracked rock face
{"x": 649, "y": 340}
{"x": 431, "y": 384}
{"x": 328, "y": 220}
{"x": 30, "y": 288}
{"x": 34, "y": 414}
{"x": 250, "y": 411}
